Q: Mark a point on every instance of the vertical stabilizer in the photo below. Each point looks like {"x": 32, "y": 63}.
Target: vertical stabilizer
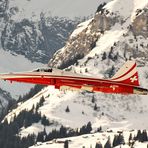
{"x": 127, "y": 74}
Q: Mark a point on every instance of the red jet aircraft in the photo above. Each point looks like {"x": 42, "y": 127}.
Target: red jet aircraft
{"x": 125, "y": 81}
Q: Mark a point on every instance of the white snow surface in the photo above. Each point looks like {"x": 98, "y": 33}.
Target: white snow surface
{"x": 107, "y": 40}
{"x": 10, "y": 62}
{"x": 126, "y": 8}
{"x": 62, "y": 8}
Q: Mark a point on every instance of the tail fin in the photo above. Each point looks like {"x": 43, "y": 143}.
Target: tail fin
{"x": 127, "y": 74}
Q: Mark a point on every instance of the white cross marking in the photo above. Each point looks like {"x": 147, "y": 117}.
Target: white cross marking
{"x": 113, "y": 87}
{"x": 133, "y": 79}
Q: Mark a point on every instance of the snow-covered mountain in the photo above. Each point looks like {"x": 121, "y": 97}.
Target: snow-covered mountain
{"x": 98, "y": 47}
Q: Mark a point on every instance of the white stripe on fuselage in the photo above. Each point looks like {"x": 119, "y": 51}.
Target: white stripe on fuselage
{"x": 129, "y": 75}
{"x": 124, "y": 69}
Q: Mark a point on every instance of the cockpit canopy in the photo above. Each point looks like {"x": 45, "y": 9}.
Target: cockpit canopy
{"x": 43, "y": 70}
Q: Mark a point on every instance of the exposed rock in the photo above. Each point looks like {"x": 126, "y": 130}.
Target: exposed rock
{"x": 3, "y": 7}
{"x": 37, "y": 41}
{"x": 140, "y": 24}
{"x": 81, "y": 44}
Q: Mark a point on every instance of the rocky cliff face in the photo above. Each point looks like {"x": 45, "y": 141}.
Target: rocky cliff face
{"x": 3, "y": 7}
{"x": 77, "y": 46}
{"x": 37, "y": 41}
{"x": 83, "y": 39}
{"x": 81, "y": 43}
{"x": 140, "y": 24}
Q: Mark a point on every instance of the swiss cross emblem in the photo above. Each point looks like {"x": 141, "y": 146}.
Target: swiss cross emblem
{"x": 133, "y": 79}
{"x": 113, "y": 87}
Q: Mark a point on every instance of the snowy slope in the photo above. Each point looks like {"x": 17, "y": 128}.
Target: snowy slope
{"x": 114, "y": 112}
{"x": 126, "y": 9}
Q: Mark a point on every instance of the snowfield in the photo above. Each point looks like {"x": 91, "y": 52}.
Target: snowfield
{"x": 114, "y": 111}
{"x": 125, "y": 8}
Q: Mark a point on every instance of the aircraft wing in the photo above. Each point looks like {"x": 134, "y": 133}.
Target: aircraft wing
{"x": 28, "y": 77}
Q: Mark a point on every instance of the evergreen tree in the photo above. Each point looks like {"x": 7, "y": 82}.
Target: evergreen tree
{"x": 108, "y": 143}
{"x": 98, "y": 145}
{"x": 88, "y": 127}
{"x": 120, "y": 139}
{"x": 115, "y": 142}
{"x": 110, "y": 55}
{"x": 36, "y": 117}
{"x": 111, "y": 72}
{"x": 100, "y": 7}
{"x": 144, "y": 136}
{"x": 93, "y": 99}
{"x": 63, "y": 132}
{"x": 130, "y": 139}
{"x": 33, "y": 108}
{"x": 95, "y": 107}
{"x": 42, "y": 100}
{"x": 40, "y": 137}
{"x": 104, "y": 56}
{"x": 45, "y": 121}
{"x": 99, "y": 129}
{"x": 83, "y": 112}
{"x": 67, "y": 109}
{"x": 66, "y": 144}
{"x": 31, "y": 93}
{"x": 44, "y": 132}
{"x": 83, "y": 130}
{"x": 116, "y": 56}
{"x": 139, "y": 136}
